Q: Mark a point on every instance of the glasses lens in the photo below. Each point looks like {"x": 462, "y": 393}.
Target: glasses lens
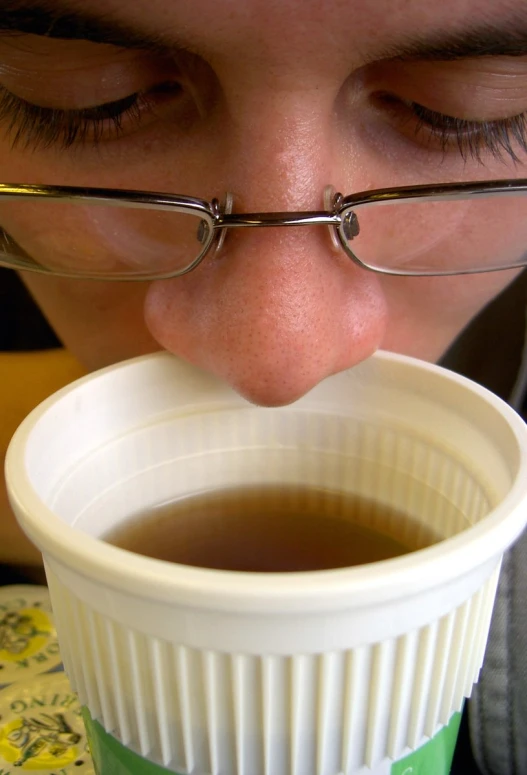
{"x": 444, "y": 236}
{"x": 101, "y": 240}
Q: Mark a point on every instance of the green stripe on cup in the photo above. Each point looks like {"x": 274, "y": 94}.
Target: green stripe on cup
{"x": 112, "y": 758}
{"x": 433, "y": 758}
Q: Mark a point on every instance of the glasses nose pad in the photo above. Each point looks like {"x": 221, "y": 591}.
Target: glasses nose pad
{"x": 330, "y": 198}
{"x": 203, "y": 231}
{"x": 226, "y": 209}
{"x": 351, "y": 226}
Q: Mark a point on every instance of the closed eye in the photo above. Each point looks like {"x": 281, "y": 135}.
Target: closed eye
{"x": 472, "y": 139}
{"x": 31, "y": 126}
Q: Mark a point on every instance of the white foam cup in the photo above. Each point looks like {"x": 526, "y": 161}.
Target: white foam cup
{"x": 190, "y": 670}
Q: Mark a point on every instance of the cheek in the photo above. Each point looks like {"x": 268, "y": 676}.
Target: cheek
{"x": 426, "y": 314}
{"x": 100, "y": 323}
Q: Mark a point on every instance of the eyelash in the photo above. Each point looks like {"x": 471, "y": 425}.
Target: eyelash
{"x": 472, "y": 138}
{"x": 35, "y": 127}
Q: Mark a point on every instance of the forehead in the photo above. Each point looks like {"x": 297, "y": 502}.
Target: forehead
{"x": 361, "y": 29}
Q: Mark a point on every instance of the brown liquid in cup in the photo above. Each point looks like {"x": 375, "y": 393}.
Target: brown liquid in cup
{"x": 272, "y": 529}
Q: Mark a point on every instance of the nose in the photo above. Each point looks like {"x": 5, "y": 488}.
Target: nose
{"x": 277, "y": 309}
{"x": 273, "y": 315}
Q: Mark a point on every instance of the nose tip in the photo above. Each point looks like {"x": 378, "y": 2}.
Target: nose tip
{"x": 271, "y": 342}
{"x": 273, "y": 315}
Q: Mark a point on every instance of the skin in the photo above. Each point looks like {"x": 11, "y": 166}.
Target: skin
{"x": 280, "y": 99}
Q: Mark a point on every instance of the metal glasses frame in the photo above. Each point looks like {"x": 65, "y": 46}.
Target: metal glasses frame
{"x": 218, "y": 218}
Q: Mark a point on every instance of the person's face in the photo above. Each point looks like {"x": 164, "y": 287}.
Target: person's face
{"x": 271, "y": 100}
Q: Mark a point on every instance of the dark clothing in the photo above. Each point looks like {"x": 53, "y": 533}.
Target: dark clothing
{"x": 22, "y": 324}
{"x": 492, "y": 351}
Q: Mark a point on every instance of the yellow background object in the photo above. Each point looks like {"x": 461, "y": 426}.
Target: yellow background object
{"x": 26, "y": 379}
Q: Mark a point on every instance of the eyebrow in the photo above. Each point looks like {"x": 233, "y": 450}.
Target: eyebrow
{"x": 54, "y": 19}
{"x": 509, "y": 40}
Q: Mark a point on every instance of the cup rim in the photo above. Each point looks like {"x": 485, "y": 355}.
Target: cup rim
{"x": 241, "y": 591}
